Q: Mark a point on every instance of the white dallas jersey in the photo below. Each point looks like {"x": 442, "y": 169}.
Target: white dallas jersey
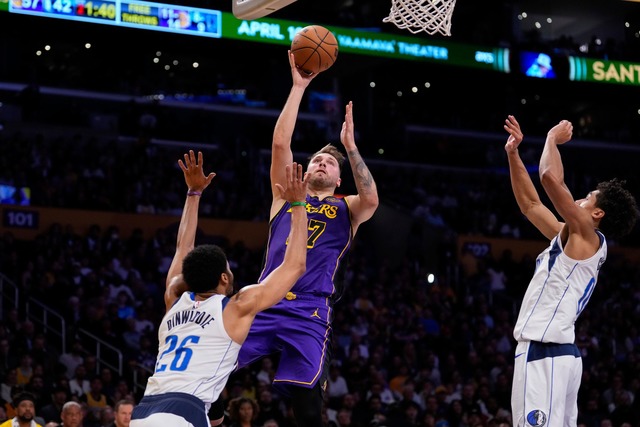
{"x": 195, "y": 355}
{"x": 558, "y": 292}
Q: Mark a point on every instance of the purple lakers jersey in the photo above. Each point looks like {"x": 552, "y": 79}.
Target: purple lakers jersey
{"x": 329, "y": 240}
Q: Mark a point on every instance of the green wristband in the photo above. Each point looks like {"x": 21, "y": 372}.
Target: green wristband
{"x": 298, "y": 204}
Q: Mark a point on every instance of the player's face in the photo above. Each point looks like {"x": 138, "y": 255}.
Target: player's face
{"x": 324, "y": 171}
{"x": 588, "y": 202}
{"x": 25, "y": 411}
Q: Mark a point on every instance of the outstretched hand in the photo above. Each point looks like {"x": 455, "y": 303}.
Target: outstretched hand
{"x": 300, "y": 78}
{"x": 193, "y": 173}
{"x": 347, "y": 134}
{"x": 296, "y": 184}
{"x": 515, "y": 134}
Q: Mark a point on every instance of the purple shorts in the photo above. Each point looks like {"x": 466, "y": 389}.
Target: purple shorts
{"x": 299, "y": 328}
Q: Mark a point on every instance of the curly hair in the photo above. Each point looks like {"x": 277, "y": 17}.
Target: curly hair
{"x": 619, "y": 206}
{"x": 332, "y": 150}
{"x": 203, "y": 266}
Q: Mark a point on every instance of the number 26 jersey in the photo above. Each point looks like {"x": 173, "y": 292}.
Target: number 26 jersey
{"x": 195, "y": 354}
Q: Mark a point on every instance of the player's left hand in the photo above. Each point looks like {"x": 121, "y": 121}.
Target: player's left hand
{"x": 347, "y": 134}
{"x": 193, "y": 173}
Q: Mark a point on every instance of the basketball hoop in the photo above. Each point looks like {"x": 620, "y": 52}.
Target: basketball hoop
{"x": 254, "y": 9}
{"x": 430, "y": 16}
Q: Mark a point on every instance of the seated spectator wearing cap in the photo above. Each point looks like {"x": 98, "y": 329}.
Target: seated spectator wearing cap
{"x": 24, "y": 404}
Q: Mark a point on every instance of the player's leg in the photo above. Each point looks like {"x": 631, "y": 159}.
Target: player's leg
{"x": 305, "y": 340}
{"x": 307, "y": 405}
{"x": 518, "y": 385}
{"x": 574, "y": 378}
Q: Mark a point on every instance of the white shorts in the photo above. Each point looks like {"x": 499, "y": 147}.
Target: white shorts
{"x": 161, "y": 419}
{"x": 170, "y": 409}
{"x": 546, "y": 380}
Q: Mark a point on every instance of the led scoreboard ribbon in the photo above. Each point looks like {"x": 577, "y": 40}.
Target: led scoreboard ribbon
{"x": 137, "y": 14}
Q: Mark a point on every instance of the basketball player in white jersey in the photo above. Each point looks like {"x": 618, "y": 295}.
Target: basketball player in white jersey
{"x": 204, "y": 325}
{"x": 548, "y": 367}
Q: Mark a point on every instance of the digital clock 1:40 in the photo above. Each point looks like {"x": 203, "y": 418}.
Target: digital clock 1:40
{"x": 98, "y": 9}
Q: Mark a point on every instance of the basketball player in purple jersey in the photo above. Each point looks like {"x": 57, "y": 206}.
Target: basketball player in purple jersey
{"x": 299, "y": 327}
{"x": 548, "y": 367}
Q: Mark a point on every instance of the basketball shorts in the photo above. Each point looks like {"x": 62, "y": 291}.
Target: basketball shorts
{"x": 170, "y": 409}
{"x": 299, "y": 328}
{"x": 546, "y": 379}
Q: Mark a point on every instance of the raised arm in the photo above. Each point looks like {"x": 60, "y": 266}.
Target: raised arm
{"x": 580, "y": 227}
{"x": 281, "y": 154}
{"x": 364, "y": 204}
{"x": 196, "y": 183}
{"x": 244, "y": 306}
{"x": 523, "y": 189}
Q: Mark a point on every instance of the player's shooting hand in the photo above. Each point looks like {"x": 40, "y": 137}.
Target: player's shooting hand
{"x": 294, "y": 189}
{"x": 562, "y": 132}
{"x": 347, "y": 134}
{"x": 515, "y": 134}
{"x": 193, "y": 173}
{"x": 300, "y": 78}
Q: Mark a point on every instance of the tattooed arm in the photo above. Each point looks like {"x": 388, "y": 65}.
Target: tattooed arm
{"x": 365, "y": 203}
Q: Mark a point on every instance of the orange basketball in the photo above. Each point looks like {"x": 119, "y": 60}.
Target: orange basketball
{"x": 314, "y": 49}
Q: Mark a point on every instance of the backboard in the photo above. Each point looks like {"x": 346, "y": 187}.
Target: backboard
{"x": 254, "y": 9}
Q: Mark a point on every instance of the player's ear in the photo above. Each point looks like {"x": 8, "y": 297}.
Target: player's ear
{"x": 339, "y": 181}
{"x": 224, "y": 279}
{"x": 597, "y": 213}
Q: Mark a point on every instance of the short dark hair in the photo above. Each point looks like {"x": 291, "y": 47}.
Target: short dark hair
{"x": 332, "y": 150}
{"x": 22, "y": 396}
{"x": 619, "y": 206}
{"x": 121, "y": 402}
{"x": 203, "y": 266}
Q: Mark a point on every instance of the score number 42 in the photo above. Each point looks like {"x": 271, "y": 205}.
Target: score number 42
{"x": 60, "y": 6}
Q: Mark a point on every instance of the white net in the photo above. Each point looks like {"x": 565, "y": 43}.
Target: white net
{"x": 430, "y": 16}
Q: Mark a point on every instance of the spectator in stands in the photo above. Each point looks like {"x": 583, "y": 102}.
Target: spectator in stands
{"x": 108, "y": 383}
{"x": 337, "y": 385}
{"x": 52, "y": 411}
{"x": 123, "y": 410}
{"x": 79, "y": 385}
{"x": 24, "y": 370}
{"x": 72, "y": 415}
{"x": 243, "y": 412}
{"x": 8, "y": 357}
{"x": 39, "y": 390}
{"x": 106, "y": 417}
{"x": 266, "y": 372}
{"x": 74, "y": 357}
{"x": 123, "y": 391}
{"x": 95, "y": 399}
{"x": 44, "y": 354}
{"x": 24, "y": 405}
{"x": 9, "y": 381}
{"x": 269, "y": 407}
